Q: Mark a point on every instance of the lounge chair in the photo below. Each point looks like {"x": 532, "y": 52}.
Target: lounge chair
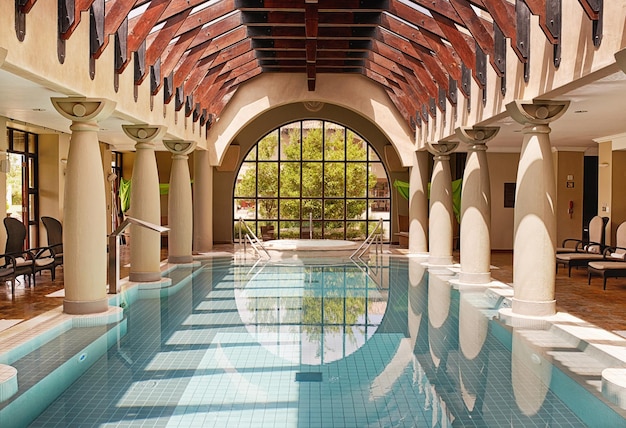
{"x": 54, "y": 229}
{"x": 596, "y": 242}
{"x": 615, "y": 264}
{"x": 30, "y": 261}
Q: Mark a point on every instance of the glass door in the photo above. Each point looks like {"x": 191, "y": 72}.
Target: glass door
{"x": 22, "y": 182}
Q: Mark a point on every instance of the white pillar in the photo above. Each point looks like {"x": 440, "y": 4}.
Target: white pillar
{"x": 476, "y": 207}
{"x": 534, "y": 243}
{"x": 180, "y": 207}
{"x": 441, "y": 213}
{"x": 202, "y": 202}
{"x": 418, "y": 204}
{"x": 85, "y": 225}
{"x": 145, "y": 204}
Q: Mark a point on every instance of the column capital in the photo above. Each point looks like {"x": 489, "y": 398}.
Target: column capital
{"x": 536, "y": 112}
{"x": 179, "y": 147}
{"x": 144, "y": 133}
{"x": 81, "y": 109}
{"x": 442, "y": 148}
{"x": 477, "y": 135}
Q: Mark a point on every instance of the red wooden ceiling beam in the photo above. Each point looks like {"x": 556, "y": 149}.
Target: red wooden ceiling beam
{"x": 140, "y": 26}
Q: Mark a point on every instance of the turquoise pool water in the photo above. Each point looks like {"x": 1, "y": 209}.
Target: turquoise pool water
{"x": 321, "y": 345}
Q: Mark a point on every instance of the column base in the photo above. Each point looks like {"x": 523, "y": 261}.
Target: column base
{"x": 440, "y": 260}
{"x": 533, "y": 308}
{"x": 144, "y": 276}
{"x": 510, "y": 318}
{"x": 477, "y": 278}
{"x": 75, "y": 307}
{"x": 180, "y": 259}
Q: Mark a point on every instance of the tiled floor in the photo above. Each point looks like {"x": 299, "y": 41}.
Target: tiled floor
{"x": 602, "y": 308}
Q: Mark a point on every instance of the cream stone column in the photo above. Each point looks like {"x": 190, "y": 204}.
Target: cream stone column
{"x": 534, "y": 244}
{"x": 440, "y": 217}
{"x": 418, "y": 204}
{"x": 202, "y": 202}
{"x": 179, "y": 205}
{"x": 85, "y": 220}
{"x": 476, "y": 207}
{"x": 145, "y": 204}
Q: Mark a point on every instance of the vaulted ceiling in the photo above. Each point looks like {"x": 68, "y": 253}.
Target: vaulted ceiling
{"x": 423, "y": 52}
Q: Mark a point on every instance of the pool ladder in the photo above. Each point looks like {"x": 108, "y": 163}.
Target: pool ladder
{"x": 250, "y": 237}
{"x": 376, "y": 237}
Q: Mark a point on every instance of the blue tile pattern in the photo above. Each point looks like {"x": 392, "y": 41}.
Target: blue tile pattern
{"x": 225, "y": 349}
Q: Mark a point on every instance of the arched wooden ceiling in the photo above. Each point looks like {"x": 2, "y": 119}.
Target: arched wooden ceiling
{"x": 423, "y": 52}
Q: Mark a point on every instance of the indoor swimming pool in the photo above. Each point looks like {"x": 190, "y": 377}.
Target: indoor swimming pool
{"x": 311, "y": 343}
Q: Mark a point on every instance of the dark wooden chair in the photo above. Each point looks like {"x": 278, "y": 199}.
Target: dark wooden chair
{"x": 8, "y": 270}
{"x": 54, "y": 229}
{"x": 27, "y": 261}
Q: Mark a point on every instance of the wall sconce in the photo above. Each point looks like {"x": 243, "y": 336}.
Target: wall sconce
{"x": 603, "y": 164}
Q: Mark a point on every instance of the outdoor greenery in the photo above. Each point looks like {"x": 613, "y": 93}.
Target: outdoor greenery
{"x": 324, "y": 174}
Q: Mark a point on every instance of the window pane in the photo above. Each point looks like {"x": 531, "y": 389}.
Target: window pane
{"x": 268, "y": 208}
{"x": 312, "y": 206}
{"x": 245, "y": 208}
{"x": 312, "y": 140}
{"x": 267, "y": 178}
{"x": 334, "y": 142}
{"x": 251, "y": 155}
{"x": 290, "y": 142}
{"x": 290, "y": 209}
{"x": 289, "y": 229}
{"x": 246, "y": 180}
{"x": 373, "y": 155}
{"x": 356, "y": 230}
{"x": 19, "y": 141}
{"x": 268, "y": 147}
{"x": 312, "y": 179}
{"x": 355, "y": 208}
{"x": 379, "y": 205}
{"x": 333, "y": 230}
{"x": 356, "y": 179}
{"x": 334, "y": 180}
{"x": 333, "y": 209}
{"x": 356, "y": 147}
{"x": 290, "y": 179}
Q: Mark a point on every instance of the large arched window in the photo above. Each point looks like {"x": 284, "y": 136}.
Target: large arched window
{"x": 312, "y": 179}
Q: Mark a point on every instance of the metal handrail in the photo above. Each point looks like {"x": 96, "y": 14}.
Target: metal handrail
{"x": 375, "y": 236}
{"x": 255, "y": 242}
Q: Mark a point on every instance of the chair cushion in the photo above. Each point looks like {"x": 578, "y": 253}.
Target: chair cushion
{"x": 21, "y": 261}
{"x": 566, "y": 257}
{"x": 607, "y": 265}
{"x": 45, "y": 261}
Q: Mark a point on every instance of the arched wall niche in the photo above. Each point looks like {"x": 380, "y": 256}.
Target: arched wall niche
{"x": 249, "y": 135}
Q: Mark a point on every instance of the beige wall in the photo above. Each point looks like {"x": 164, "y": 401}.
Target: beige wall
{"x": 52, "y": 149}
{"x": 569, "y": 168}
{"x": 502, "y": 169}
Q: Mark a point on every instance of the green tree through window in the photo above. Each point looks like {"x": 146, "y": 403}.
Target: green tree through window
{"x": 312, "y": 169}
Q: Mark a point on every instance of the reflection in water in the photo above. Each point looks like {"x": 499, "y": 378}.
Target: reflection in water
{"x": 405, "y": 350}
{"x": 327, "y": 313}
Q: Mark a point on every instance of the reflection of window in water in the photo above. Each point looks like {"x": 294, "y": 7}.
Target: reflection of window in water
{"x": 333, "y": 311}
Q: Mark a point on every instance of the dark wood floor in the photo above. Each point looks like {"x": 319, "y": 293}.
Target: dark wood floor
{"x": 606, "y": 309}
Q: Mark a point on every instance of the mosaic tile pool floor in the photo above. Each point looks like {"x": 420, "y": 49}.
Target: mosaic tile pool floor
{"x": 317, "y": 346}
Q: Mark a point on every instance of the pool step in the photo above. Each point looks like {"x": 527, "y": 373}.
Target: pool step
{"x": 46, "y": 372}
